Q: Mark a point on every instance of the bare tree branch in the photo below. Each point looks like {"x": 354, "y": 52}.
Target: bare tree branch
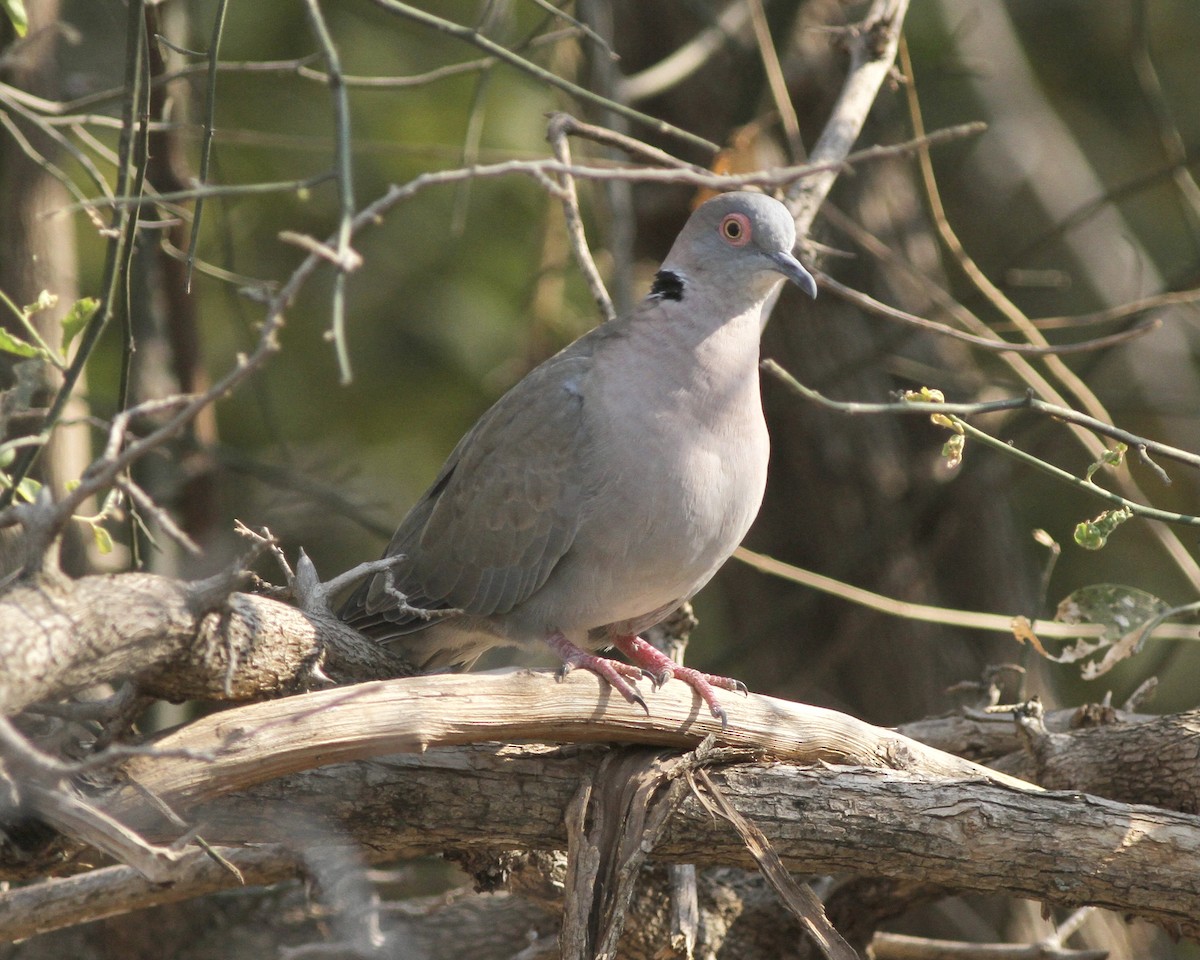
{"x": 62, "y": 636}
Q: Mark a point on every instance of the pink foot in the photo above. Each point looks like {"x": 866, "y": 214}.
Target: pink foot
{"x": 662, "y": 668}
{"x": 616, "y": 673}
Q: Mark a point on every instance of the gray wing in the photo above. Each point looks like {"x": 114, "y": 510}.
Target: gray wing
{"x": 502, "y": 511}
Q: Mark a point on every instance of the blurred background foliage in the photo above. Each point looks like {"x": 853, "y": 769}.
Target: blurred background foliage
{"x": 1071, "y": 202}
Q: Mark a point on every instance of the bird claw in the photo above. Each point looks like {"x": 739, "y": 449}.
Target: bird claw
{"x": 662, "y": 668}
{"x": 617, "y": 674}
{"x": 728, "y": 683}
{"x": 649, "y": 663}
{"x": 658, "y": 679}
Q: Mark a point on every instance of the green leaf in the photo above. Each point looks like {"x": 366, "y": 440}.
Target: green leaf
{"x": 1112, "y": 457}
{"x": 1127, "y": 614}
{"x": 77, "y": 318}
{"x": 11, "y": 344}
{"x": 45, "y": 301}
{"x": 28, "y": 489}
{"x": 1094, "y": 534}
{"x": 104, "y": 540}
{"x": 16, "y": 13}
{"x": 952, "y": 450}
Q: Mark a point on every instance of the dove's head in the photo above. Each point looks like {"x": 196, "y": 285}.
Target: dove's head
{"x": 738, "y": 241}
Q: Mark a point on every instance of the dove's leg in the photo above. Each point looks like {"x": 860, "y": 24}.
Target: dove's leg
{"x": 662, "y": 668}
{"x": 616, "y": 673}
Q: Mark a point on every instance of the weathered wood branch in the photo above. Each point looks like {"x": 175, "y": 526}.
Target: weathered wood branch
{"x": 739, "y": 917}
{"x": 1136, "y": 758}
{"x": 265, "y": 740}
{"x": 915, "y": 814}
{"x": 1063, "y": 849}
{"x": 58, "y": 636}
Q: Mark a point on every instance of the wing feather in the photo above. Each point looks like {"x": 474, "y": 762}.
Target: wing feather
{"x": 502, "y": 511}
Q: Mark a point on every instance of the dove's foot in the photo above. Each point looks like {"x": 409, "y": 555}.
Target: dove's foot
{"x": 662, "y": 668}
{"x": 616, "y": 673}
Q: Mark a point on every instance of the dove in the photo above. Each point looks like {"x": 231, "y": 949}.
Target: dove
{"x": 609, "y": 484}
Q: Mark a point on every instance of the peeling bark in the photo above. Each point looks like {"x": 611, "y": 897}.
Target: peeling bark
{"x": 58, "y": 636}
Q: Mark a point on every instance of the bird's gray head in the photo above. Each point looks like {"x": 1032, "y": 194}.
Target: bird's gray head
{"x": 737, "y": 241}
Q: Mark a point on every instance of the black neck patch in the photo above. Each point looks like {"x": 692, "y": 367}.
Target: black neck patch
{"x": 668, "y": 285}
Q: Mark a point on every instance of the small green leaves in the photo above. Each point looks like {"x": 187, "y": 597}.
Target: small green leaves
{"x": 35, "y": 347}
{"x": 104, "y": 540}
{"x": 1112, "y": 457}
{"x": 28, "y": 489}
{"x": 1094, "y": 534}
{"x": 16, "y": 13}
{"x": 952, "y": 449}
{"x": 77, "y": 318}
{"x": 12, "y": 344}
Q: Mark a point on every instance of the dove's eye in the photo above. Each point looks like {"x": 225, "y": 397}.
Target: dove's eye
{"x": 735, "y": 228}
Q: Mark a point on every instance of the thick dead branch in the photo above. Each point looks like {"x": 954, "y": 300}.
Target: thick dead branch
{"x": 1059, "y": 848}
{"x": 974, "y": 833}
{"x": 613, "y": 823}
{"x": 58, "y": 636}
{"x": 265, "y": 740}
{"x": 1135, "y": 758}
{"x": 1154, "y": 760}
{"x": 738, "y": 917}
{"x": 57, "y": 808}
{"x": 111, "y": 891}
{"x": 969, "y": 834}
{"x": 872, "y": 55}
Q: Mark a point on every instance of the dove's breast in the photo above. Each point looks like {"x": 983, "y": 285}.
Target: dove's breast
{"x": 676, "y": 469}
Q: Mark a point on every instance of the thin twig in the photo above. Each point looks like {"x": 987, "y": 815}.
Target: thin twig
{"x": 775, "y": 80}
{"x": 797, "y": 897}
{"x": 200, "y": 192}
{"x": 1168, "y": 131}
{"x": 1027, "y": 402}
{"x": 867, "y": 302}
{"x": 72, "y": 110}
{"x": 580, "y": 26}
{"x": 557, "y": 135}
{"x": 123, "y": 225}
{"x": 872, "y": 53}
{"x": 344, "y": 175}
{"x": 899, "y": 946}
{"x": 631, "y": 145}
{"x": 210, "y": 107}
{"x": 930, "y": 409}
{"x": 160, "y": 516}
{"x": 545, "y": 171}
{"x": 1180, "y": 555}
{"x": 1155, "y": 301}
{"x": 685, "y": 61}
{"x": 967, "y": 619}
{"x": 80, "y": 156}
{"x": 468, "y": 35}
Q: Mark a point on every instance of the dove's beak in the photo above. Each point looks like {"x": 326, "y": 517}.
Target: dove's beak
{"x": 794, "y": 270}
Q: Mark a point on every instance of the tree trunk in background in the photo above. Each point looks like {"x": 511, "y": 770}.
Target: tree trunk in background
{"x": 169, "y": 358}
{"x": 37, "y": 252}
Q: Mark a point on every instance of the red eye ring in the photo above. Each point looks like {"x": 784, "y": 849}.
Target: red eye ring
{"x": 735, "y": 229}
